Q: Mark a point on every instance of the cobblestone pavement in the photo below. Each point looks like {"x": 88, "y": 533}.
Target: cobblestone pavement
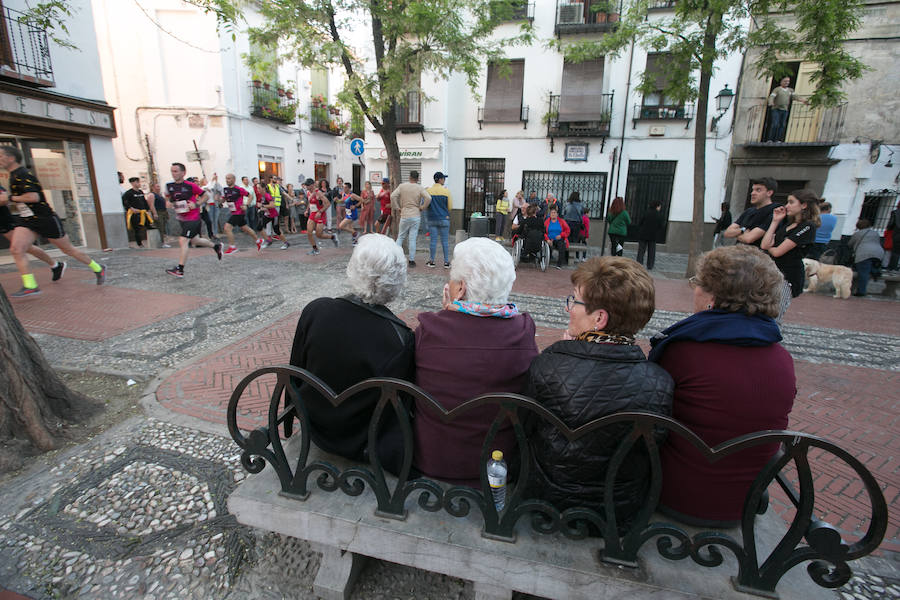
{"x": 139, "y": 511}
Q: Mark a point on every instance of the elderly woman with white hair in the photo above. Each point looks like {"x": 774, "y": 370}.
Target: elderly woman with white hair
{"x": 348, "y": 339}
{"x": 478, "y": 344}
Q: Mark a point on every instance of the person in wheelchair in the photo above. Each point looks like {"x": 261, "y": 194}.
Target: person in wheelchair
{"x": 531, "y": 231}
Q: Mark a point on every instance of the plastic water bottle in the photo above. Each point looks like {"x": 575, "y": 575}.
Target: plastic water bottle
{"x": 496, "y": 473}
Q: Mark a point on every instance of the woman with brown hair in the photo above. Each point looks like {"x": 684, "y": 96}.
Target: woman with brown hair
{"x": 619, "y": 220}
{"x": 792, "y": 231}
{"x": 732, "y": 377}
{"x": 596, "y": 370}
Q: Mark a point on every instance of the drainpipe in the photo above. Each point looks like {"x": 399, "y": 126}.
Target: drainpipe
{"x": 618, "y": 166}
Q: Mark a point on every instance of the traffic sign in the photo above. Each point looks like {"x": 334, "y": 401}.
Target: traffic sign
{"x": 357, "y": 146}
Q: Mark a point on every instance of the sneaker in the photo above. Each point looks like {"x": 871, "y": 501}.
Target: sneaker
{"x": 285, "y": 245}
{"x": 412, "y": 264}
{"x": 231, "y": 250}
{"x": 430, "y": 264}
{"x": 58, "y": 270}
{"x": 313, "y": 252}
{"x": 175, "y": 272}
{"x": 165, "y": 246}
{"x": 446, "y": 265}
{"x": 259, "y": 243}
{"x": 218, "y": 250}
{"x": 101, "y": 276}
{"x": 334, "y": 238}
{"x": 264, "y": 245}
{"x": 558, "y": 268}
{"x": 26, "y": 292}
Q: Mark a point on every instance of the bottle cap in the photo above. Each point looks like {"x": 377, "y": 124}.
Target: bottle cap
{"x": 497, "y": 455}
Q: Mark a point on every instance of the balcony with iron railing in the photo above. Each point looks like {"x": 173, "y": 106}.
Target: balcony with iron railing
{"x": 24, "y": 50}
{"x": 663, "y": 112}
{"x": 325, "y": 118}
{"x": 806, "y": 125}
{"x": 662, "y": 5}
{"x": 274, "y": 104}
{"x": 522, "y": 118}
{"x": 588, "y": 16}
{"x": 408, "y": 114}
{"x": 520, "y": 11}
{"x": 597, "y": 127}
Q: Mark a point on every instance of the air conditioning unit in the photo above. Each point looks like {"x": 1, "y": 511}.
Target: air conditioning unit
{"x": 570, "y": 14}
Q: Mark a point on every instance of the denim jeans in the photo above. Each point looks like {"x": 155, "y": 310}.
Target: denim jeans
{"x": 777, "y": 125}
{"x": 441, "y": 228}
{"x": 214, "y": 217}
{"x": 409, "y": 228}
{"x": 864, "y": 272}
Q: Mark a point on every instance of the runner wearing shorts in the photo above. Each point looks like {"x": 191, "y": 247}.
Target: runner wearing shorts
{"x": 384, "y": 199}
{"x": 186, "y": 198}
{"x": 8, "y": 223}
{"x": 35, "y": 218}
{"x": 351, "y": 203}
{"x": 271, "y": 217}
{"x": 319, "y": 206}
{"x": 234, "y": 195}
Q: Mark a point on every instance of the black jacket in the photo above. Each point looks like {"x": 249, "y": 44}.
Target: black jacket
{"x": 581, "y": 381}
{"x": 651, "y": 223}
{"x": 343, "y": 341}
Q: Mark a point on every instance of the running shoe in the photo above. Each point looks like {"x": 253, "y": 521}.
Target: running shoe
{"x": 334, "y": 238}
{"x": 430, "y": 264}
{"x": 313, "y": 252}
{"x": 58, "y": 270}
{"x": 175, "y": 272}
{"x": 412, "y": 264}
{"x": 285, "y": 245}
{"x": 165, "y": 246}
{"x": 259, "y": 243}
{"x": 218, "y": 250}
{"x": 265, "y": 245}
{"x": 101, "y": 276}
{"x": 24, "y": 292}
{"x": 231, "y": 250}
{"x": 446, "y": 265}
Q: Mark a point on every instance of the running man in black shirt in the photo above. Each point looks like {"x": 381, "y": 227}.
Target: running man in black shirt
{"x": 8, "y": 224}
{"x": 35, "y": 218}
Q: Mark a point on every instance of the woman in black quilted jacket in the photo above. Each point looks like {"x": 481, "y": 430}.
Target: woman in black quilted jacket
{"x": 596, "y": 370}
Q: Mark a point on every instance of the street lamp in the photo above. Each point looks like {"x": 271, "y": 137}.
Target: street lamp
{"x": 723, "y": 103}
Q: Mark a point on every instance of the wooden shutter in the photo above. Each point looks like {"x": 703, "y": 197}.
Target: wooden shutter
{"x": 582, "y": 91}
{"x": 319, "y": 82}
{"x": 503, "y": 100}
{"x": 656, "y": 70}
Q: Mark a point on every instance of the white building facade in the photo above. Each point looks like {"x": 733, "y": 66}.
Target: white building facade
{"x": 547, "y": 126}
{"x": 184, "y": 94}
{"x": 52, "y": 107}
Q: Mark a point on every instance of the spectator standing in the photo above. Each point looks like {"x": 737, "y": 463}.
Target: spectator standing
{"x": 438, "y": 217}
{"x": 722, "y": 224}
{"x": 137, "y": 211}
{"x": 384, "y": 202}
{"x": 792, "y": 231}
{"x": 649, "y": 228}
{"x": 618, "y": 220}
{"x": 160, "y": 214}
{"x": 823, "y": 233}
{"x": 251, "y": 202}
{"x": 894, "y": 227}
{"x": 410, "y": 199}
{"x": 867, "y": 254}
{"x": 214, "y": 188}
{"x": 518, "y": 209}
{"x": 501, "y": 213}
{"x": 779, "y": 102}
{"x": 367, "y": 214}
{"x": 753, "y": 223}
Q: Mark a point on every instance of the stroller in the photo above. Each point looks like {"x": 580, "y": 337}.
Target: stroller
{"x": 531, "y": 246}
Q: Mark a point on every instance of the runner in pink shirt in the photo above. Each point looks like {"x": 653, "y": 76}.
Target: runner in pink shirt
{"x": 234, "y": 195}
{"x": 186, "y": 198}
{"x": 319, "y": 205}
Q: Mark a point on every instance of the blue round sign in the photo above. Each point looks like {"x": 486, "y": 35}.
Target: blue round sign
{"x": 357, "y": 146}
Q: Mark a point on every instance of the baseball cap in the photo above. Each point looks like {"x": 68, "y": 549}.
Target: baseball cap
{"x": 385, "y": 180}
{"x": 440, "y": 175}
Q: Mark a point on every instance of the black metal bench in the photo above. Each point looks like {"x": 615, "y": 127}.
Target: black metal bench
{"x": 805, "y": 539}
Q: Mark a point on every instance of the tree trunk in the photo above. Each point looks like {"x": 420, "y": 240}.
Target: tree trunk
{"x": 709, "y": 47}
{"x": 392, "y": 149}
{"x": 34, "y": 402}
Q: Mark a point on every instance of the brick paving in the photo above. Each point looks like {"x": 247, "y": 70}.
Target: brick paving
{"x": 76, "y": 307}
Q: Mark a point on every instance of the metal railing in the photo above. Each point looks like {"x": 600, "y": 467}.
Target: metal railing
{"x": 668, "y": 112}
{"x": 523, "y": 117}
{"x": 661, "y": 4}
{"x": 588, "y": 128}
{"x": 586, "y": 16}
{"x": 323, "y": 119}
{"x": 805, "y": 125}
{"x": 618, "y": 538}
{"x": 409, "y": 113}
{"x": 24, "y": 50}
{"x": 269, "y": 104}
{"x": 520, "y": 11}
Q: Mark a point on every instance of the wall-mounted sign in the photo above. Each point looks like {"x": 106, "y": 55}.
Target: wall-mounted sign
{"x": 375, "y": 177}
{"x": 56, "y": 111}
{"x": 414, "y": 153}
{"x": 357, "y": 146}
{"x": 657, "y": 130}
{"x": 577, "y": 151}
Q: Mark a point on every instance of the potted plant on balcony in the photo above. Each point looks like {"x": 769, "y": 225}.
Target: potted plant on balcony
{"x": 257, "y": 83}
{"x": 602, "y": 11}
{"x": 280, "y": 91}
{"x": 318, "y": 101}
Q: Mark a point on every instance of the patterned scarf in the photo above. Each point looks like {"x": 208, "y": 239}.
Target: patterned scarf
{"x": 599, "y": 337}
{"x": 502, "y": 311}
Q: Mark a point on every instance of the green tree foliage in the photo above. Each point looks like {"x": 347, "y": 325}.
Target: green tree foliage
{"x": 700, "y": 32}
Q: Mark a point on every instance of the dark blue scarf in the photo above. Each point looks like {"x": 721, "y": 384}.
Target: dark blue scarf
{"x": 731, "y": 328}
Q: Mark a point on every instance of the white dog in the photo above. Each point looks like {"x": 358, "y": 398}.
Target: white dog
{"x": 841, "y": 277}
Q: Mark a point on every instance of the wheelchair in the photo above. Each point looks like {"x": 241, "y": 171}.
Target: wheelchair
{"x": 531, "y": 248}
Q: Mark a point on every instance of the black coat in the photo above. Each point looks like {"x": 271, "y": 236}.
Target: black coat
{"x": 651, "y": 223}
{"x": 580, "y": 381}
{"x": 343, "y": 342}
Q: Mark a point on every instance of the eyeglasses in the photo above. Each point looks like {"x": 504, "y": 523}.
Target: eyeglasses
{"x": 694, "y": 282}
{"x": 571, "y": 301}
